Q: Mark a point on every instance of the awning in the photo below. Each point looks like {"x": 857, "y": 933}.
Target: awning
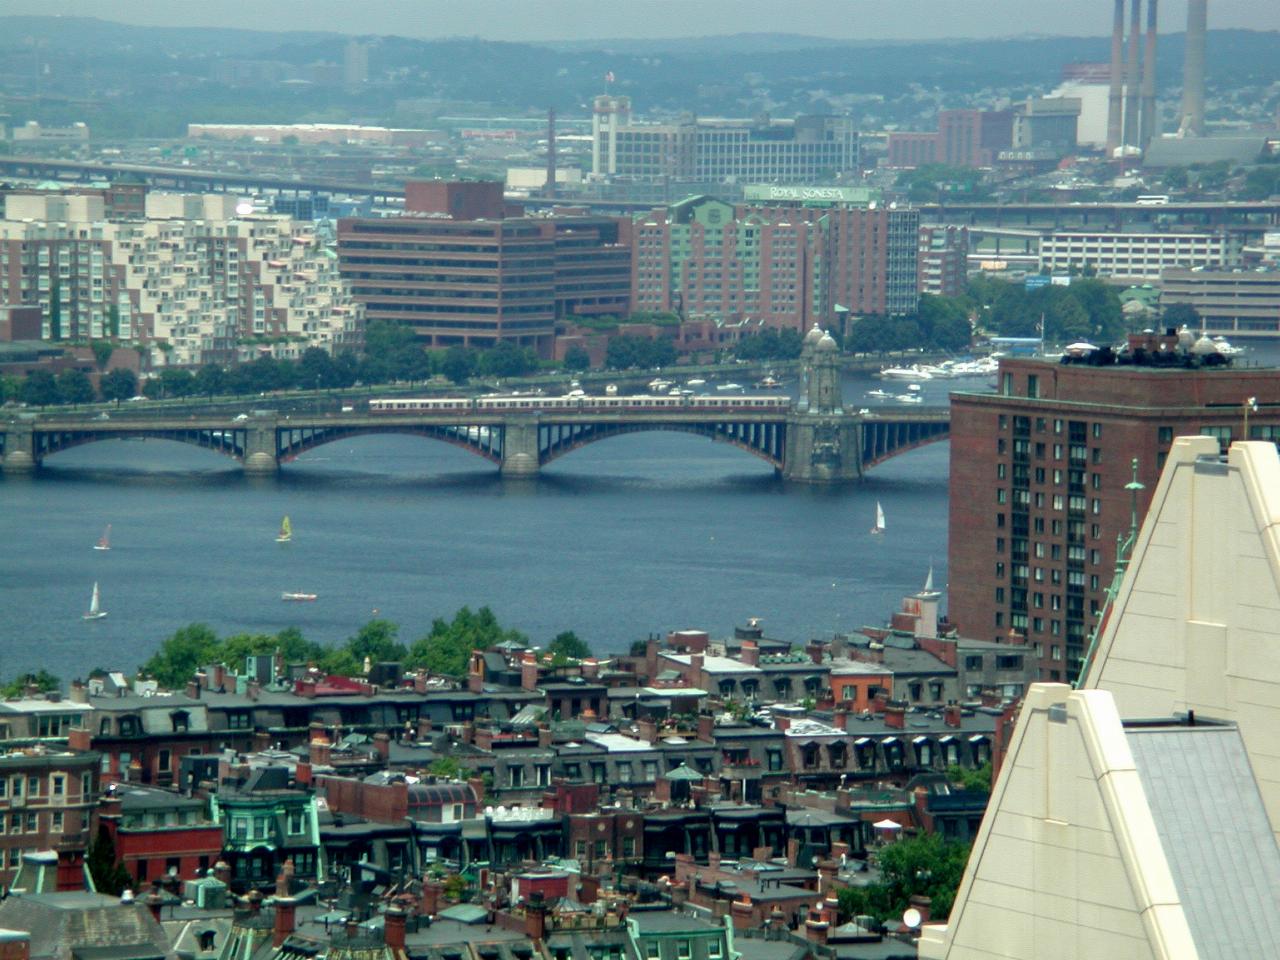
{"x": 862, "y": 741}
{"x": 977, "y": 738}
{"x": 920, "y": 740}
{"x": 887, "y": 824}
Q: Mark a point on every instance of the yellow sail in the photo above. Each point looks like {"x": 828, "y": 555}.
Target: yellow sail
{"x": 286, "y": 531}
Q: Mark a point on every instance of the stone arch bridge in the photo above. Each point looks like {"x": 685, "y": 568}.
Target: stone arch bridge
{"x": 801, "y": 446}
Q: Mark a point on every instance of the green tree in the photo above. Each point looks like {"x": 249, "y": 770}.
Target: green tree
{"x": 209, "y": 381}
{"x": 55, "y": 311}
{"x": 567, "y": 646}
{"x": 447, "y": 648}
{"x": 40, "y": 389}
{"x": 119, "y": 384}
{"x": 102, "y": 350}
{"x": 74, "y": 387}
{"x": 113, "y": 322}
{"x": 42, "y": 680}
{"x": 10, "y": 387}
{"x": 180, "y": 655}
{"x": 315, "y": 369}
{"x": 577, "y": 359}
{"x": 925, "y": 865}
{"x": 459, "y": 364}
{"x": 978, "y": 778}
{"x": 109, "y": 877}
{"x": 450, "y": 768}
{"x": 377, "y": 640}
{"x": 1177, "y": 315}
{"x": 506, "y": 359}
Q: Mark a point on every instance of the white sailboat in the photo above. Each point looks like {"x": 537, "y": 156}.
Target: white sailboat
{"x": 879, "y": 527}
{"x": 95, "y": 606}
{"x": 104, "y": 541}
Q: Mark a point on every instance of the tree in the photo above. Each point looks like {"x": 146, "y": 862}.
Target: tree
{"x": 459, "y": 364}
{"x": 447, "y": 648}
{"x": 75, "y": 387}
{"x": 926, "y": 865}
{"x": 175, "y": 382}
{"x": 209, "y": 380}
{"x": 102, "y": 350}
{"x": 978, "y": 779}
{"x": 1178, "y": 315}
{"x": 182, "y": 654}
{"x": 42, "y": 680}
{"x": 315, "y": 369}
{"x": 506, "y": 359}
{"x": 577, "y": 359}
{"x": 567, "y": 646}
{"x": 119, "y": 384}
{"x": 39, "y": 389}
{"x": 109, "y": 877}
{"x": 55, "y": 311}
{"x": 113, "y": 322}
{"x": 377, "y": 641}
{"x": 449, "y": 768}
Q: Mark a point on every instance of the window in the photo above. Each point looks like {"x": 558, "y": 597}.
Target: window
{"x": 683, "y": 951}
{"x": 515, "y": 776}
{"x": 652, "y": 951}
{"x": 56, "y": 822}
{"x": 775, "y": 759}
{"x": 295, "y": 822}
{"x": 240, "y": 828}
{"x": 165, "y": 762}
{"x": 238, "y": 720}
{"x": 714, "y": 950}
{"x": 628, "y": 846}
{"x": 33, "y": 786}
{"x": 33, "y": 823}
{"x": 1033, "y": 385}
{"x": 4, "y": 789}
{"x": 1009, "y": 662}
{"x": 651, "y": 769}
{"x": 58, "y": 785}
{"x": 973, "y": 662}
{"x": 1164, "y": 435}
{"x": 624, "y": 772}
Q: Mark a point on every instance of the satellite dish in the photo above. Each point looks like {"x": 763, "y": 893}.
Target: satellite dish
{"x": 911, "y": 918}
{"x": 244, "y": 208}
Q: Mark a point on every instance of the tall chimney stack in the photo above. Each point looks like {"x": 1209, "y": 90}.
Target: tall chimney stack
{"x": 551, "y": 153}
{"x": 1115, "y": 99}
{"x": 1193, "y": 71}
{"x": 1149, "y": 127}
{"x": 1133, "y": 75}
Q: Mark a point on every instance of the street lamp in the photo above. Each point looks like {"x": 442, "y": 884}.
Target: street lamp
{"x": 1250, "y": 404}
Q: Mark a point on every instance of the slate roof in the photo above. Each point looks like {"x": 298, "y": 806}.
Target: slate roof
{"x": 1216, "y": 835}
{"x": 63, "y": 924}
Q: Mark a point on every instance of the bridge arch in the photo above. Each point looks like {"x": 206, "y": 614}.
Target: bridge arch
{"x": 766, "y": 441}
{"x": 484, "y": 440}
{"x": 882, "y": 440}
{"x": 229, "y": 443}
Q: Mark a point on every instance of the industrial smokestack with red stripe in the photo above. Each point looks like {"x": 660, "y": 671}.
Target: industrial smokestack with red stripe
{"x": 1193, "y": 71}
{"x": 1115, "y": 99}
{"x": 1149, "y": 127}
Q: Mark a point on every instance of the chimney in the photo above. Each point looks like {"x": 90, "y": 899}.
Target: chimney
{"x": 1147, "y": 130}
{"x": 922, "y": 904}
{"x": 651, "y": 658}
{"x": 79, "y": 740}
{"x": 840, "y": 719}
{"x": 193, "y": 689}
{"x": 477, "y": 785}
{"x": 431, "y": 890}
{"x": 352, "y": 927}
{"x": 590, "y": 668}
{"x": 816, "y": 925}
{"x": 529, "y": 672}
{"x": 1193, "y": 70}
{"x": 781, "y": 723}
{"x": 535, "y": 919}
{"x": 588, "y": 889}
{"x": 394, "y": 921}
{"x": 695, "y": 668}
{"x": 707, "y": 727}
{"x": 793, "y": 851}
{"x": 285, "y": 919}
{"x": 252, "y": 689}
{"x": 222, "y": 873}
{"x": 154, "y": 902}
{"x": 713, "y": 860}
{"x": 951, "y": 715}
{"x": 647, "y": 730}
{"x": 382, "y": 744}
{"x": 424, "y": 728}
{"x": 78, "y": 693}
{"x": 750, "y": 653}
{"x": 1115, "y": 96}
{"x": 253, "y": 900}
{"x": 875, "y": 652}
{"x": 320, "y": 750}
{"x": 545, "y": 737}
{"x": 475, "y": 673}
{"x": 1133, "y": 75}
{"x": 896, "y": 717}
{"x": 814, "y": 650}
{"x": 302, "y": 773}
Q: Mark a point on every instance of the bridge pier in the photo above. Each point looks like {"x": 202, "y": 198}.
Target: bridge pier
{"x": 19, "y": 450}
{"x": 823, "y": 449}
{"x": 262, "y": 449}
{"x": 520, "y": 457}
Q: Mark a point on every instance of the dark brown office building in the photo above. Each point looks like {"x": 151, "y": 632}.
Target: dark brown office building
{"x": 1038, "y": 475}
{"x": 484, "y": 276}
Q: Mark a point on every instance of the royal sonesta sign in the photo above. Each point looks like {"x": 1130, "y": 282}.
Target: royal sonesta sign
{"x": 770, "y": 191}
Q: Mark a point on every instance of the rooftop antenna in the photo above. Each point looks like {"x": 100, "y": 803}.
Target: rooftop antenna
{"x": 1124, "y": 549}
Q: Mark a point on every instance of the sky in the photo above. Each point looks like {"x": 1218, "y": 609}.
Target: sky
{"x": 594, "y": 19}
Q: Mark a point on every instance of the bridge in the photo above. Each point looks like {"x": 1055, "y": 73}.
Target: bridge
{"x": 814, "y": 440}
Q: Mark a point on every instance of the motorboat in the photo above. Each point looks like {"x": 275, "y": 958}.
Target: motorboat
{"x": 909, "y": 398}
{"x": 291, "y": 595}
{"x": 770, "y": 383}
{"x": 728, "y": 386}
{"x": 658, "y": 385}
{"x": 883, "y": 394}
{"x": 695, "y": 382}
{"x": 905, "y": 373}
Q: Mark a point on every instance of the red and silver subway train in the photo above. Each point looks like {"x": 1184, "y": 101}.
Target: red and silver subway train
{"x": 401, "y": 405}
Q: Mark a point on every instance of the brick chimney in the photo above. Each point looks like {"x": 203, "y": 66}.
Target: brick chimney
{"x": 922, "y": 904}
{"x": 475, "y": 673}
{"x": 713, "y": 860}
{"x": 528, "y": 671}
{"x": 477, "y": 784}
{"x": 394, "y": 921}
{"x": 816, "y": 925}
{"x": 896, "y": 717}
{"x": 651, "y": 658}
{"x": 535, "y": 917}
{"x": 875, "y": 652}
{"x": 302, "y": 773}
{"x": 285, "y": 919}
{"x": 782, "y": 723}
{"x": 695, "y": 668}
{"x": 193, "y": 689}
{"x": 79, "y": 740}
{"x": 840, "y": 719}
{"x": 707, "y": 727}
{"x": 588, "y": 889}
{"x": 750, "y": 653}
{"x": 78, "y": 693}
{"x": 382, "y": 744}
{"x": 951, "y": 715}
{"x": 647, "y": 730}
{"x": 154, "y": 902}
{"x": 814, "y": 650}
{"x": 320, "y": 749}
{"x": 431, "y": 891}
{"x": 591, "y": 668}
{"x": 424, "y": 728}
{"x": 545, "y": 737}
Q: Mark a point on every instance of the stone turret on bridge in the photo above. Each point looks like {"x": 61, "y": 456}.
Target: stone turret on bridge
{"x": 824, "y": 443}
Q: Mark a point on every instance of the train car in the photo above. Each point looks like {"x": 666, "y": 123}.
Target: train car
{"x": 420, "y": 405}
{"x": 573, "y": 401}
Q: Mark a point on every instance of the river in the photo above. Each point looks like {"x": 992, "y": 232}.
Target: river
{"x": 643, "y": 533}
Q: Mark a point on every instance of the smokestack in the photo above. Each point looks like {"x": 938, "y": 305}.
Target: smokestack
{"x": 1115, "y": 98}
{"x": 1133, "y": 75}
{"x": 1148, "y": 127}
{"x": 551, "y": 153}
{"x": 1193, "y": 71}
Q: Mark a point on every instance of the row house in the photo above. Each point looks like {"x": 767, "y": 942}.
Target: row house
{"x": 267, "y": 819}
{"x": 159, "y": 833}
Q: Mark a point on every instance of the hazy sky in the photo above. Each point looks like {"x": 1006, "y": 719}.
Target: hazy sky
{"x": 587, "y": 19}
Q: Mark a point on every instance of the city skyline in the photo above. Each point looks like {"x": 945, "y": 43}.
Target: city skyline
{"x": 585, "y": 20}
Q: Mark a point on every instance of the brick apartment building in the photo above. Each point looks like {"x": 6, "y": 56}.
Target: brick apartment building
{"x": 1038, "y": 498}
{"x": 788, "y": 262}
{"x": 463, "y": 267}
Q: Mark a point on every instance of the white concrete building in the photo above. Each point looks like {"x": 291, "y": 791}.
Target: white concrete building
{"x": 1106, "y": 839}
{"x": 1135, "y": 256}
{"x": 192, "y": 283}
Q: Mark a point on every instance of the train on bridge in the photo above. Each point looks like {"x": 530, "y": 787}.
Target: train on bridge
{"x": 580, "y": 402}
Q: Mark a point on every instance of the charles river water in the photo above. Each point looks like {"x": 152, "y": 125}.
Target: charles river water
{"x": 642, "y": 533}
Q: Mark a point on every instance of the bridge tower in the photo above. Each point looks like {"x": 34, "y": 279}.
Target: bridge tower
{"x": 823, "y": 444}
{"x": 19, "y": 449}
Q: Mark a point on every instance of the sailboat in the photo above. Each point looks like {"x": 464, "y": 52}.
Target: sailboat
{"x": 286, "y": 531}
{"x": 104, "y": 541}
{"x": 95, "y": 606}
{"x": 879, "y": 527}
